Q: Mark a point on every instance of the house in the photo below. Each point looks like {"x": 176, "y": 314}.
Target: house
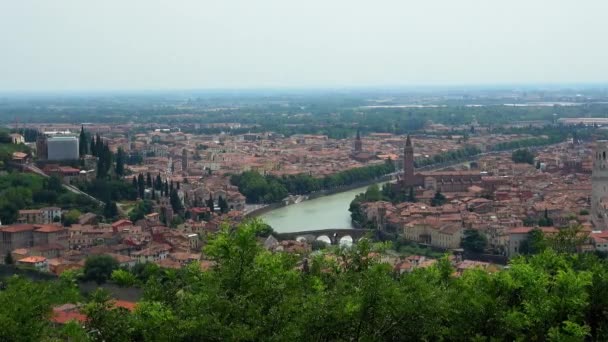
{"x": 20, "y": 158}
{"x": 520, "y": 234}
{"x": 30, "y": 216}
{"x": 120, "y": 225}
{"x": 17, "y": 138}
{"x": 152, "y": 254}
{"x": 16, "y": 236}
{"x": 72, "y": 312}
{"x": 599, "y": 240}
{"x": 40, "y": 216}
{"x": 50, "y": 214}
{"x": 36, "y": 262}
{"x": 51, "y": 234}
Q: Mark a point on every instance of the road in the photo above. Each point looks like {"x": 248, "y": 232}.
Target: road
{"x": 69, "y": 187}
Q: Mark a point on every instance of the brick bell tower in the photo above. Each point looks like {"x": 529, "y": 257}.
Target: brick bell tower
{"x": 358, "y": 144}
{"x": 408, "y": 164}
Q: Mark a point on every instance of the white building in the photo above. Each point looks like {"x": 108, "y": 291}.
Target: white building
{"x": 62, "y": 148}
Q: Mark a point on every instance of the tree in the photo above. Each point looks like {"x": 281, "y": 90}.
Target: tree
{"x": 71, "y": 217}
{"x": 176, "y": 202}
{"x": 110, "y": 210}
{"x": 107, "y": 322}
{"x": 120, "y": 162}
{"x": 223, "y": 205}
{"x": 545, "y": 221}
{"x": 569, "y": 239}
{"x": 123, "y": 278}
{"x": 474, "y": 241}
{"x": 93, "y": 148}
{"x": 148, "y": 180}
{"x": 8, "y": 259}
{"x": 158, "y": 183}
{"x": 83, "y": 144}
{"x": 210, "y": 203}
{"x": 523, "y": 156}
{"x": 99, "y": 268}
{"x": 438, "y": 200}
{"x": 535, "y": 243}
{"x": 412, "y": 195}
{"x": 141, "y": 186}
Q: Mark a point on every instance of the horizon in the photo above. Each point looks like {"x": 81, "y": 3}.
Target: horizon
{"x": 414, "y": 88}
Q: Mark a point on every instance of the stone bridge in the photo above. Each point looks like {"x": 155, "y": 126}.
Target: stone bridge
{"x": 334, "y": 235}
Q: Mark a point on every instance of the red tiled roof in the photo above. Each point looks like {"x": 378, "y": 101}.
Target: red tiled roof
{"x": 62, "y": 317}
{"x": 33, "y": 259}
{"x": 48, "y": 228}
{"x": 17, "y": 228}
{"x": 121, "y": 222}
{"x": 125, "y": 304}
{"x": 526, "y": 230}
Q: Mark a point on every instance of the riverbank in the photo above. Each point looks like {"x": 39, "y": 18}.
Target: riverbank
{"x": 318, "y": 194}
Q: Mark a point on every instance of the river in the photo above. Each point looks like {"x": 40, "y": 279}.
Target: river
{"x": 320, "y": 213}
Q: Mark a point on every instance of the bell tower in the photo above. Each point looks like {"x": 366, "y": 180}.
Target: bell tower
{"x": 408, "y": 163}
{"x": 599, "y": 184}
{"x": 358, "y": 143}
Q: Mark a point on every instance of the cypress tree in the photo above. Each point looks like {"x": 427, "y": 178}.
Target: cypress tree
{"x": 210, "y": 203}
{"x": 92, "y": 148}
{"x": 120, "y": 162}
{"x": 141, "y": 185}
{"x": 159, "y": 182}
{"x": 82, "y": 142}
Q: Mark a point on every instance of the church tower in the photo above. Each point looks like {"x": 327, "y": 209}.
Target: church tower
{"x": 408, "y": 164}
{"x": 358, "y": 143}
{"x": 599, "y": 184}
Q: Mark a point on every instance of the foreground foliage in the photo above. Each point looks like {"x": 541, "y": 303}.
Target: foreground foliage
{"x": 343, "y": 295}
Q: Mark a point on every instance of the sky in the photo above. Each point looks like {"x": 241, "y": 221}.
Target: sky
{"x": 197, "y": 44}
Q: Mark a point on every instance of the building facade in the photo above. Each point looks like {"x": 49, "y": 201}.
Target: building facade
{"x": 62, "y": 148}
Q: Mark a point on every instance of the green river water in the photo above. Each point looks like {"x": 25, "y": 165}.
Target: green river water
{"x": 320, "y": 213}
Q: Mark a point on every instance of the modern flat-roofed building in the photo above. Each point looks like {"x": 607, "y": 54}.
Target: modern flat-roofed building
{"x": 62, "y": 148}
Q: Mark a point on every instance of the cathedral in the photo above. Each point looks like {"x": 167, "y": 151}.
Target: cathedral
{"x": 443, "y": 181}
{"x": 358, "y": 154}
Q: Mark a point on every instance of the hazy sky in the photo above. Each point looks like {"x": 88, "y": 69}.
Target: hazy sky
{"x": 149, "y": 44}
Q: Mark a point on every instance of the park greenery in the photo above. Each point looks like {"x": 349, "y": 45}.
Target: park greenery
{"x": 269, "y": 189}
{"x": 341, "y": 294}
{"x": 25, "y": 190}
{"x": 523, "y": 156}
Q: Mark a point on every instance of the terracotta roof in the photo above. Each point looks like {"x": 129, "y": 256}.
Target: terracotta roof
{"x": 526, "y": 230}
{"x": 33, "y": 259}
{"x": 17, "y": 228}
{"x": 121, "y": 222}
{"x": 62, "y": 317}
{"x": 125, "y": 304}
{"x": 48, "y": 228}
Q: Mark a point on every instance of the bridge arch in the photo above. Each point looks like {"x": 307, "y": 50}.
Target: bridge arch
{"x": 324, "y": 238}
{"x": 346, "y": 240}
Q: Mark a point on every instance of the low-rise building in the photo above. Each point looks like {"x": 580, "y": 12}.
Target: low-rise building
{"x": 39, "y": 263}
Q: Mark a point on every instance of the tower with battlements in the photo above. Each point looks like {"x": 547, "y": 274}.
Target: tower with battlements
{"x": 599, "y": 184}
